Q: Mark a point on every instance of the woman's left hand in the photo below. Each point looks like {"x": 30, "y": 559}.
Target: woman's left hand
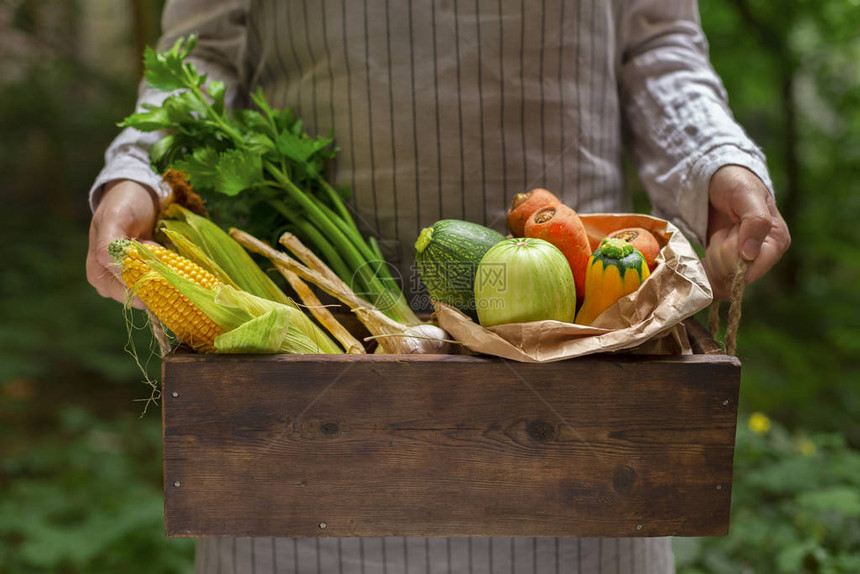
{"x": 743, "y": 222}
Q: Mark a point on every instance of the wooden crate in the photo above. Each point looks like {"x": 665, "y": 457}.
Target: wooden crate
{"x": 444, "y": 445}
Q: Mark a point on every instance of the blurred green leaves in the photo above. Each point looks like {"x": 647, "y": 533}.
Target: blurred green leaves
{"x": 55, "y": 326}
{"x": 87, "y": 498}
{"x": 79, "y": 491}
{"x": 795, "y": 497}
{"x": 796, "y": 507}
{"x": 798, "y": 95}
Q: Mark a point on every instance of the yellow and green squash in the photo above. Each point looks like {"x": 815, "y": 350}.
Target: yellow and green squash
{"x": 615, "y": 269}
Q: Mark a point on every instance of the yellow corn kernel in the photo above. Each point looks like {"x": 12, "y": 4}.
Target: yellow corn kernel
{"x": 183, "y": 318}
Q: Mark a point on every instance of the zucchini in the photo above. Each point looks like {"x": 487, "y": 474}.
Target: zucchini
{"x": 447, "y": 256}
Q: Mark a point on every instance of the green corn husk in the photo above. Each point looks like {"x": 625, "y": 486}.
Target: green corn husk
{"x": 219, "y": 250}
{"x": 202, "y": 241}
{"x": 269, "y": 316}
{"x": 252, "y": 324}
{"x": 258, "y": 336}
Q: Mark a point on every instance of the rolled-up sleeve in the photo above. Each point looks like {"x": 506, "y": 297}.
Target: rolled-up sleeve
{"x": 680, "y": 128}
{"x": 220, "y": 54}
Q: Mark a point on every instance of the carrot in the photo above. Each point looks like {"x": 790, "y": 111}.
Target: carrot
{"x": 643, "y": 240}
{"x": 524, "y": 205}
{"x": 561, "y": 226}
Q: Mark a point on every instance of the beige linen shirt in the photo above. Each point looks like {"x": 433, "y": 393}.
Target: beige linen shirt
{"x": 446, "y": 109}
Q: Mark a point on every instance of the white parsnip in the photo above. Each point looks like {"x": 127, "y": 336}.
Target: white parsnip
{"x": 392, "y": 337}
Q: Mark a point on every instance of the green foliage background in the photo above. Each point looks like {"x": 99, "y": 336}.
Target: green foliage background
{"x": 80, "y": 486}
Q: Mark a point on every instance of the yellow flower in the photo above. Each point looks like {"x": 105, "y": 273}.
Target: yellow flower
{"x": 806, "y": 447}
{"x": 759, "y": 423}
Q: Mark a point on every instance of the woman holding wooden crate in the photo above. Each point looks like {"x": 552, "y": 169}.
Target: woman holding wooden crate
{"x": 446, "y": 109}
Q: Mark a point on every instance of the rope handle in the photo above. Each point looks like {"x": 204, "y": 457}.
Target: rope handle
{"x": 737, "y": 293}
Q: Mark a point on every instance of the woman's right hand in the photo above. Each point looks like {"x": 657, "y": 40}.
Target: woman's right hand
{"x": 127, "y": 209}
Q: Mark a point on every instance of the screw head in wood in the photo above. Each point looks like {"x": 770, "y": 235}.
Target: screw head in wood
{"x": 638, "y": 527}
{"x": 323, "y": 525}
{"x": 726, "y": 403}
{"x": 175, "y": 394}
{"x": 177, "y": 484}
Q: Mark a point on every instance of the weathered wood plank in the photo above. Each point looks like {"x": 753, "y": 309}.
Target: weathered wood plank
{"x": 448, "y": 445}
{"x": 701, "y": 340}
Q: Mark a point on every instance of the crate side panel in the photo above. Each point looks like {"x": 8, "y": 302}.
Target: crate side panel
{"x": 368, "y": 448}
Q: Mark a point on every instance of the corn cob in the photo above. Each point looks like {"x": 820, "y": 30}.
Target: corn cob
{"x": 183, "y": 318}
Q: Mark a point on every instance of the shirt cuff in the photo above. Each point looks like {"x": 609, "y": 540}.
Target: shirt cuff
{"x": 128, "y": 166}
{"x": 693, "y": 202}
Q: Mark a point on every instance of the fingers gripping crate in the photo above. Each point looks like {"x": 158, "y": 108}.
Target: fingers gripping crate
{"x": 447, "y": 445}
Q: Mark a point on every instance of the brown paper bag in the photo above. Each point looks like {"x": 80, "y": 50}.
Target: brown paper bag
{"x": 646, "y": 321}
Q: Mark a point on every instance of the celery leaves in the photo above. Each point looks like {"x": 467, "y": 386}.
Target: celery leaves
{"x": 259, "y": 170}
